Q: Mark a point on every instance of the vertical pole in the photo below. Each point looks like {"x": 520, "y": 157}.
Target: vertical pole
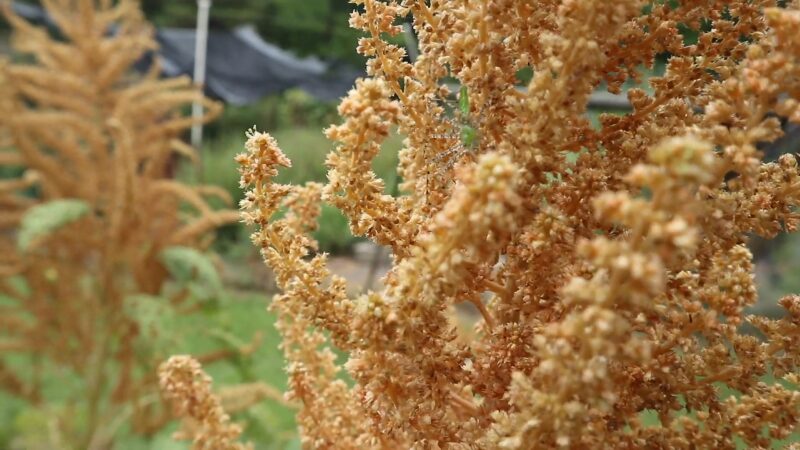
{"x": 200, "y": 45}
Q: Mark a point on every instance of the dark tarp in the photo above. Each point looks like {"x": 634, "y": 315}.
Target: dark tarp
{"x": 30, "y": 12}
{"x": 241, "y": 67}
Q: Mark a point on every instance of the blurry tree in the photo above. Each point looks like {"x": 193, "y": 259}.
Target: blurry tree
{"x": 307, "y": 27}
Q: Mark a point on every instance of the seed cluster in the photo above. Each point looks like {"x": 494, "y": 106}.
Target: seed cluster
{"x": 609, "y": 287}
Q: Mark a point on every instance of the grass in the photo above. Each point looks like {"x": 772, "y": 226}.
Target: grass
{"x": 269, "y": 424}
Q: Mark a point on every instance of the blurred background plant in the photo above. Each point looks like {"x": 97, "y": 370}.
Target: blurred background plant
{"x": 101, "y": 251}
{"x": 308, "y": 27}
{"x": 202, "y": 304}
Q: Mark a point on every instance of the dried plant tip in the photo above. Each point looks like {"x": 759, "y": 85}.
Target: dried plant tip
{"x": 188, "y": 387}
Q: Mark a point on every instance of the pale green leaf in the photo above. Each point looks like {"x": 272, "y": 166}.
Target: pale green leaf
{"x": 194, "y": 269}
{"x": 46, "y": 218}
{"x": 153, "y": 315}
{"x": 463, "y": 101}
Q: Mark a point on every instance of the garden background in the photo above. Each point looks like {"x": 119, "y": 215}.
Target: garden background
{"x": 238, "y": 313}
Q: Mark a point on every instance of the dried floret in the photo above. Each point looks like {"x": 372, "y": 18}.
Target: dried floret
{"x": 609, "y": 286}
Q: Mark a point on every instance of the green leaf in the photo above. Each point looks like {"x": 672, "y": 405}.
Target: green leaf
{"x": 149, "y": 311}
{"x": 42, "y": 220}
{"x": 463, "y": 101}
{"x": 193, "y": 268}
{"x": 243, "y": 364}
{"x": 27, "y": 427}
{"x": 154, "y": 315}
{"x": 468, "y": 136}
{"x": 294, "y": 444}
{"x": 227, "y": 338}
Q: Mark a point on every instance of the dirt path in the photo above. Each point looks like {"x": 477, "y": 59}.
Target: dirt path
{"x": 254, "y": 274}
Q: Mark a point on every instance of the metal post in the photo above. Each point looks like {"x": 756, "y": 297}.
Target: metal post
{"x": 200, "y": 45}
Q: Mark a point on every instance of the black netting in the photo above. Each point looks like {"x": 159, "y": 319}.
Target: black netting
{"x": 241, "y": 67}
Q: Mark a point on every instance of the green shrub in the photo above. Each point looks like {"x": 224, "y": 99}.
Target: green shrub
{"x": 334, "y": 234}
{"x": 291, "y": 109}
{"x": 308, "y": 150}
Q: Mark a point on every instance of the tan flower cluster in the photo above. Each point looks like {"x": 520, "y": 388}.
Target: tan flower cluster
{"x": 184, "y": 382}
{"x": 611, "y": 287}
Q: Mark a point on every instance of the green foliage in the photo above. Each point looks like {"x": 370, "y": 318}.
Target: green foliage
{"x": 153, "y": 315}
{"x": 194, "y": 270}
{"x": 469, "y": 134}
{"x": 463, "y": 101}
{"x": 233, "y": 322}
{"x": 269, "y": 424}
{"x": 291, "y": 109}
{"x": 44, "y": 219}
{"x": 307, "y": 147}
{"x": 333, "y": 234}
{"x": 309, "y": 27}
{"x": 184, "y": 13}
